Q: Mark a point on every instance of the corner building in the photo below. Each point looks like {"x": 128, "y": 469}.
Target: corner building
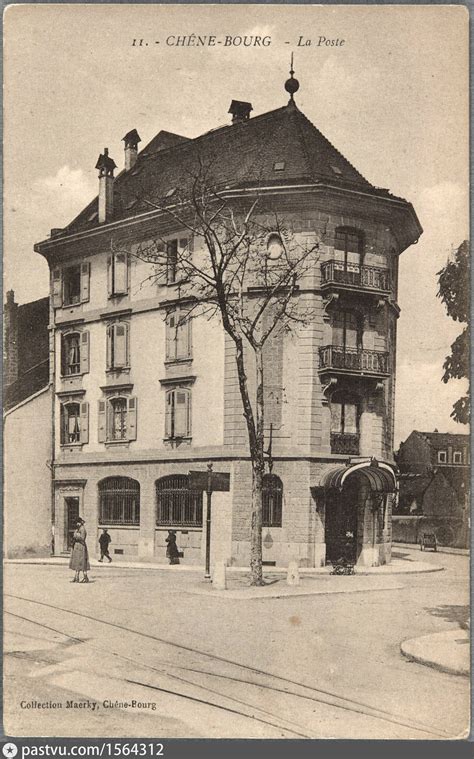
{"x": 140, "y": 401}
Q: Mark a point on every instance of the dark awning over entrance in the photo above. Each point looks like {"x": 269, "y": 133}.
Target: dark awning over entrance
{"x": 380, "y": 476}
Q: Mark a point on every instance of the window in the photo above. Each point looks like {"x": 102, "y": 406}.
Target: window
{"x": 117, "y": 417}
{"x": 347, "y": 329}
{"x": 442, "y": 457}
{"x": 70, "y": 286}
{"x": 274, "y": 246}
{"x": 279, "y": 166}
{"x": 178, "y": 413}
{"x": 171, "y": 261}
{"x": 119, "y": 501}
{"x": 344, "y": 424}
{"x": 272, "y": 498}
{"x": 176, "y": 503}
{"x": 457, "y": 457}
{"x": 117, "y": 273}
{"x": 118, "y": 346}
{"x": 178, "y": 336}
{"x": 348, "y": 247}
{"x": 74, "y": 421}
{"x": 74, "y": 353}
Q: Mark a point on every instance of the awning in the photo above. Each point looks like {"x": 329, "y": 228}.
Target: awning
{"x": 380, "y": 476}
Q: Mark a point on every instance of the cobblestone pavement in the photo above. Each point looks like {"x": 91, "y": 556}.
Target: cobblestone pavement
{"x": 143, "y": 653}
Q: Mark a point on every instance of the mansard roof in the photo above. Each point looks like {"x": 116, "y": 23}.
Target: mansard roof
{"x": 278, "y": 148}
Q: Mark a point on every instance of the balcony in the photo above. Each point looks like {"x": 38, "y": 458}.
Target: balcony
{"x": 367, "y": 279}
{"x": 344, "y": 442}
{"x": 359, "y": 362}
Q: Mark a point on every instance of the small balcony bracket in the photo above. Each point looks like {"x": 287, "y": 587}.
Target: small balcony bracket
{"x": 328, "y": 389}
{"x": 328, "y": 300}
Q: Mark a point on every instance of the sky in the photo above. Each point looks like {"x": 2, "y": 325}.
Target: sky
{"x": 393, "y": 98}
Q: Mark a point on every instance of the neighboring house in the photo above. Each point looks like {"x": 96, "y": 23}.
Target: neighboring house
{"x": 27, "y": 438}
{"x": 142, "y": 398}
{"x": 434, "y": 488}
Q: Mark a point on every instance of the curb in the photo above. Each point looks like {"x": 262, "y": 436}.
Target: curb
{"x": 421, "y": 651}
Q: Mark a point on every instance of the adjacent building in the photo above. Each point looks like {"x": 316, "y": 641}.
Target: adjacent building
{"x": 142, "y": 396}
{"x": 434, "y": 488}
{"x": 27, "y": 434}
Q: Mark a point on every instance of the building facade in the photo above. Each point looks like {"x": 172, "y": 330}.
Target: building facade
{"x": 143, "y": 396}
{"x": 27, "y": 438}
{"x": 434, "y": 491}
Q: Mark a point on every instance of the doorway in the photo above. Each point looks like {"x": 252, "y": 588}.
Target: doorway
{"x": 72, "y": 514}
{"x": 341, "y": 524}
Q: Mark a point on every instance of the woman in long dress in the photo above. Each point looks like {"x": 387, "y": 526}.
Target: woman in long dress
{"x": 172, "y": 549}
{"x": 79, "y": 560}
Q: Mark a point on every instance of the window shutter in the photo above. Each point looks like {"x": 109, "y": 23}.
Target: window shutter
{"x": 56, "y": 288}
{"x": 169, "y": 414}
{"x": 85, "y": 279}
{"x": 170, "y": 337}
{"x": 171, "y": 260}
{"x": 119, "y": 346}
{"x": 181, "y": 413}
{"x": 110, "y": 353}
{"x": 110, "y": 275}
{"x": 63, "y": 355}
{"x": 183, "y": 348}
{"x": 63, "y": 423}
{"x": 84, "y": 354}
{"x": 120, "y": 274}
{"x": 84, "y": 422}
{"x": 102, "y": 426}
{"x": 132, "y": 419}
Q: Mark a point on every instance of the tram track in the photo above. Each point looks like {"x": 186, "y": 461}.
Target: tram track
{"x": 277, "y": 683}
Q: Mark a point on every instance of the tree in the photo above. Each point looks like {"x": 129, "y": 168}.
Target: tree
{"x": 454, "y": 291}
{"x": 246, "y": 266}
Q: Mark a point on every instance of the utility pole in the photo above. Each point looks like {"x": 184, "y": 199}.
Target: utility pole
{"x": 207, "y": 574}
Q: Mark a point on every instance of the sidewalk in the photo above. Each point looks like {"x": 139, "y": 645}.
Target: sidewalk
{"x": 398, "y": 566}
{"x": 445, "y": 651}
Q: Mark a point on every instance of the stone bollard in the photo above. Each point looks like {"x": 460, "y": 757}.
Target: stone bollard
{"x": 293, "y": 575}
{"x": 219, "y": 576}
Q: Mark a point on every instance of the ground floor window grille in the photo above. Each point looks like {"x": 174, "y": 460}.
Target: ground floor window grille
{"x": 176, "y": 503}
{"x": 119, "y": 501}
{"x": 272, "y": 499}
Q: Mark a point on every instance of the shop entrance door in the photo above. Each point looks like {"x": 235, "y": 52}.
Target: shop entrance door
{"x": 72, "y": 513}
{"x": 341, "y": 526}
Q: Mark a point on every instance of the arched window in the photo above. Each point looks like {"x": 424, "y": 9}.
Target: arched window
{"x": 272, "y": 499}
{"x": 178, "y": 413}
{"x": 176, "y": 503}
{"x": 119, "y": 501}
{"x": 345, "y": 418}
{"x": 348, "y": 248}
{"x": 74, "y": 353}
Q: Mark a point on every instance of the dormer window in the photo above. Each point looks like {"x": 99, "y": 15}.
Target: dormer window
{"x": 457, "y": 457}
{"x": 442, "y": 457}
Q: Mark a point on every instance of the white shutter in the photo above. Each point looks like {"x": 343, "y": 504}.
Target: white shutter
{"x": 119, "y": 346}
{"x": 84, "y": 422}
{"x": 110, "y": 346}
{"x": 169, "y": 413}
{"x": 63, "y": 424}
{"x": 56, "y": 288}
{"x": 181, "y": 413}
{"x": 110, "y": 275}
{"x": 132, "y": 419}
{"x": 171, "y": 337}
{"x": 120, "y": 274}
{"x": 84, "y": 352}
{"x": 102, "y": 422}
{"x": 183, "y": 347}
{"x": 85, "y": 279}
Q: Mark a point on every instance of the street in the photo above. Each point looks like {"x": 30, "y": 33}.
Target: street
{"x": 141, "y": 653}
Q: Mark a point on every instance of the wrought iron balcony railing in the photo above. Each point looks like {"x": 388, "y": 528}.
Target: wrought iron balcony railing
{"x": 344, "y": 442}
{"x": 373, "y": 278}
{"x": 353, "y": 360}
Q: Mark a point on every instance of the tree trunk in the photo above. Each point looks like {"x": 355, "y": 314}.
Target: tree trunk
{"x": 258, "y": 470}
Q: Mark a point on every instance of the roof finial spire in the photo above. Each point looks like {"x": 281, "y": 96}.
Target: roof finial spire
{"x": 292, "y": 85}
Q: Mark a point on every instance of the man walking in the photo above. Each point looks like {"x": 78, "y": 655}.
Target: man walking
{"x": 104, "y": 541}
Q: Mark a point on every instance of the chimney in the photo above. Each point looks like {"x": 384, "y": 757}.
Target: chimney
{"x": 10, "y": 337}
{"x": 131, "y": 141}
{"x": 106, "y": 166}
{"x": 240, "y": 111}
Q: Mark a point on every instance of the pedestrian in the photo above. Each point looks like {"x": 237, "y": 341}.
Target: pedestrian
{"x": 172, "y": 549}
{"x": 104, "y": 541}
{"x": 79, "y": 560}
